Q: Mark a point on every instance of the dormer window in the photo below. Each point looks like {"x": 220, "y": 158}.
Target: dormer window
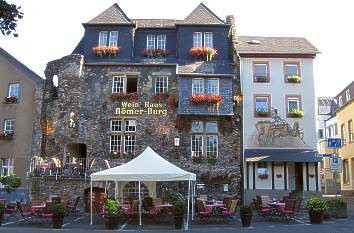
{"x": 156, "y": 41}
{"x": 103, "y": 38}
{"x": 203, "y": 39}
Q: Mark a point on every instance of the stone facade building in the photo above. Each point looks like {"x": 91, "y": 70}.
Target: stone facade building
{"x": 129, "y": 84}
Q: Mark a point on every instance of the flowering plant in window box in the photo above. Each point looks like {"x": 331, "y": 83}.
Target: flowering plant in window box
{"x": 294, "y": 79}
{"x": 296, "y": 113}
{"x": 115, "y": 154}
{"x": 106, "y": 50}
{"x": 262, "y": 113}
{"x": 161, "y": 96}
{"x": 261, "y": 79}
{"x": 203, "y": 53}
{"x": 202, "y": 98}
{"x": 197, "y": 159}
{"x": 124, "y": 96}
{"x": 156, "y": 52}
{"x": 10, "y": 100}
{"x": 263, "y": 176}
{"x": 128, "y": 156}
{"x": 212, "y": 160}
{"x": 6, "y": 136}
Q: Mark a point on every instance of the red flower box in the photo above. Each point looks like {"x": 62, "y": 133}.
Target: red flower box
{"x": 200, "y": 99}
{"x": 106, "y": 50}
{"x": 124, "y": 96}
{"x": 156, "y": 52}
{"x": 203, "y": 53}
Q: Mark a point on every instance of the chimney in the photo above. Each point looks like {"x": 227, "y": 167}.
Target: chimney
{"x": 230, "y": 19}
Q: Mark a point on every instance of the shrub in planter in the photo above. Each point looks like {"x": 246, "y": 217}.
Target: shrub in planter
{"x": 296, "y": 113}
{"x": 59, "y": 211}
{"x": 10, "y": 182}
{"x": 337, "y": 208}
{"x": 111, "y": 221}
{"x": 316, "y": 208}
{"x": 179, "y": 207}
{"x": 246, "y": 215}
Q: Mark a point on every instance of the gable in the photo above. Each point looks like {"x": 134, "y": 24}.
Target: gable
{"x": 113, "y": 15}
{"x": 202, "y": 15}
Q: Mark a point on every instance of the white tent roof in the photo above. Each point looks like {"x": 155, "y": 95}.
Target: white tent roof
{"x": 148, "y": 166}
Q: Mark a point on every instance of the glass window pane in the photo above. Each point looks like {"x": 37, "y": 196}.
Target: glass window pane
{"x": 212, "y": 127}
{"x": 14, "y": 89}
{"x": 129, "y": 144}
{"x": 161, "y": 84}
{"x": 197, "y": 86}
{"x": 113, "y": 39}
{"x": 116, "y": 125}
{"x": 291, "y": 69}
{"x": 130, "y": 125}
{"x": 212, "y": 145}
{"x": 150, "y": 42}
{"x": 118, "y": 85}
{"x": 213, "y": 86}
{"x": 161, "y": 42}
{"x": 208, "y": 39}
{"x": 197, "y": 145}
{"x": 197, "y": 126}
{"x": 260, "y": 70}
{"x": 197, "y": 39}
{"x": 293, "y": 104}
{"x": 9, "y": 126}
{"x": 262, "y": 104}
{"x": 116, "y": 143}
{"x": 103, "y": 37}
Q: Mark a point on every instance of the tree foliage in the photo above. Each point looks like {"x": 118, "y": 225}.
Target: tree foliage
{"x": 9, "y": 15}
{"x": 10, "y": 182}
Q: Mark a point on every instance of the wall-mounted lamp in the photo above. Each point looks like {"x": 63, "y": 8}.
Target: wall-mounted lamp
{"x": 71, "y": 120}
{"x": 176, "y": 141}
{"x": 238, "y": 99}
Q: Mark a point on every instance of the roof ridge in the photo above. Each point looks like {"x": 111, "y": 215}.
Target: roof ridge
{"x": 112, "y": 13}
{"x": 206, "y": 9}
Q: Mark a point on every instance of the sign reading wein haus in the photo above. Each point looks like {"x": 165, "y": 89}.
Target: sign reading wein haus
{"x": 134, "y": 108}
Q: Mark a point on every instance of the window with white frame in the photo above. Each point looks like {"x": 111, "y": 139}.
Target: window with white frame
{"x": 343, "y": 134}
{"x": 260, "y": 71}
{"x": 123, "y": 137}
{"x": 7, "y": 166}
{"x": 161, "y": 84}
{"x": 204, "y": 139}
{"x": 350, "y": 131}
{"x": 161, "y": 42}
{"x": 103, "y": 38}
{"x": 150, "y": 42}
{"x": 347, "y": 95}
{"x": 208, "y": 39}
{"x": 113, "y": 38}
{"x": 118, "y": 84}
{"x": 9, "y": 126}
{"x": 14, "y": 90}
{"x": 293, "y": 104}
{"x": 197, "y": 39}
{"x": 291, "y": 69}
{"x": 345, "y": 165}
{"x": 197, "y": 86}
{"x": 213, "y": 86}
{"x": 262, "y": 104}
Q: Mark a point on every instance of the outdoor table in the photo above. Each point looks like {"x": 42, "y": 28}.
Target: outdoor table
{"x": 37, "y": 208}
{"x": 277, "y": 205}
{"x": 215, "y": 207}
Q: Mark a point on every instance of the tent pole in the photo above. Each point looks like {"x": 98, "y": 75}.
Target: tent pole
{"x": 192, "y": 200}
{"x": 139, "y": 205}
{"x": 105, "y": 189}
{"x": 116, "y": 191}
{"x": 91, "y": 201}
{"x": 189, "y": 190}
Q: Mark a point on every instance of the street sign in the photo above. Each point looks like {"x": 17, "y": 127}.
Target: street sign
{"x": 327, "y": 155}
{"x": 334, "y": 143}
{"x": 335, "y": 164}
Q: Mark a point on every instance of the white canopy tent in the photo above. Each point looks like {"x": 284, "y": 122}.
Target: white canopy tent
{"x": 148, "y": 166}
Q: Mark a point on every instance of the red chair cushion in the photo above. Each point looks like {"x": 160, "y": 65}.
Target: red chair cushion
{"x": 204, "y": 213}
{"x": 266, "y": 210}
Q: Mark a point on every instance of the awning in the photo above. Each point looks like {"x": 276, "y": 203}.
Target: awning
{"x": 282, "y": 155}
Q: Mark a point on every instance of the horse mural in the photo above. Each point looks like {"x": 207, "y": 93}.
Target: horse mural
{"x": 269, "y": 130}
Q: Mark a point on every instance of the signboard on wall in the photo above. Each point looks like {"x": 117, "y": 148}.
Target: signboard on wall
{"x": 334, "y": 143}
{"x": 335, "y": 164}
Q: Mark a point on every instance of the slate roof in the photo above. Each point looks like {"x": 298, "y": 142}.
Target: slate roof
{"x": 21, "y": 67}
{"x": 291, "y": 45}
{"x": 202, "y": 15}
{"x": 113, "y": 15}
{"x": 156, "y": 23}
{"x": 202, "y": 68}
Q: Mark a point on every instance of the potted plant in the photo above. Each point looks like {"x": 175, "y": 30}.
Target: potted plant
{"x": 10, "y": 182}
{"x": 294, "y": 79}
{"x": 337, "y": 208}
{"x": 178, "y": 202}
{"x": 296, "y": 113}
{"x": 316, "y": 208}
{"x": 111, "y": 220}
{"x": 10, "y": 100}
{"x": 246, "y": 215}
{"x": 212, "y": 160}
{"x": 59, "y": 211}
{"x": 2, "y": 210}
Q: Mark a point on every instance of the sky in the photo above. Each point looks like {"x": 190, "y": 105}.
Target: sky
{"x": 51, "y": 29}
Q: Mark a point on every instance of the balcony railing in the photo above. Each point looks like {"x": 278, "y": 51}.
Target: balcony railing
{"x": 79, "y": 168}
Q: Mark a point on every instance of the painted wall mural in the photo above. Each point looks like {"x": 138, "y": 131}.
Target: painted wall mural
{"x": 277, "y": 132}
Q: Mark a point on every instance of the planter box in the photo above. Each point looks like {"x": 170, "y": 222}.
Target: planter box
{"x": 294, "y": 79}
{"x": 10, "y": 100}
{"x": 263, "y": 114}
{"x": 6, "y": 137}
